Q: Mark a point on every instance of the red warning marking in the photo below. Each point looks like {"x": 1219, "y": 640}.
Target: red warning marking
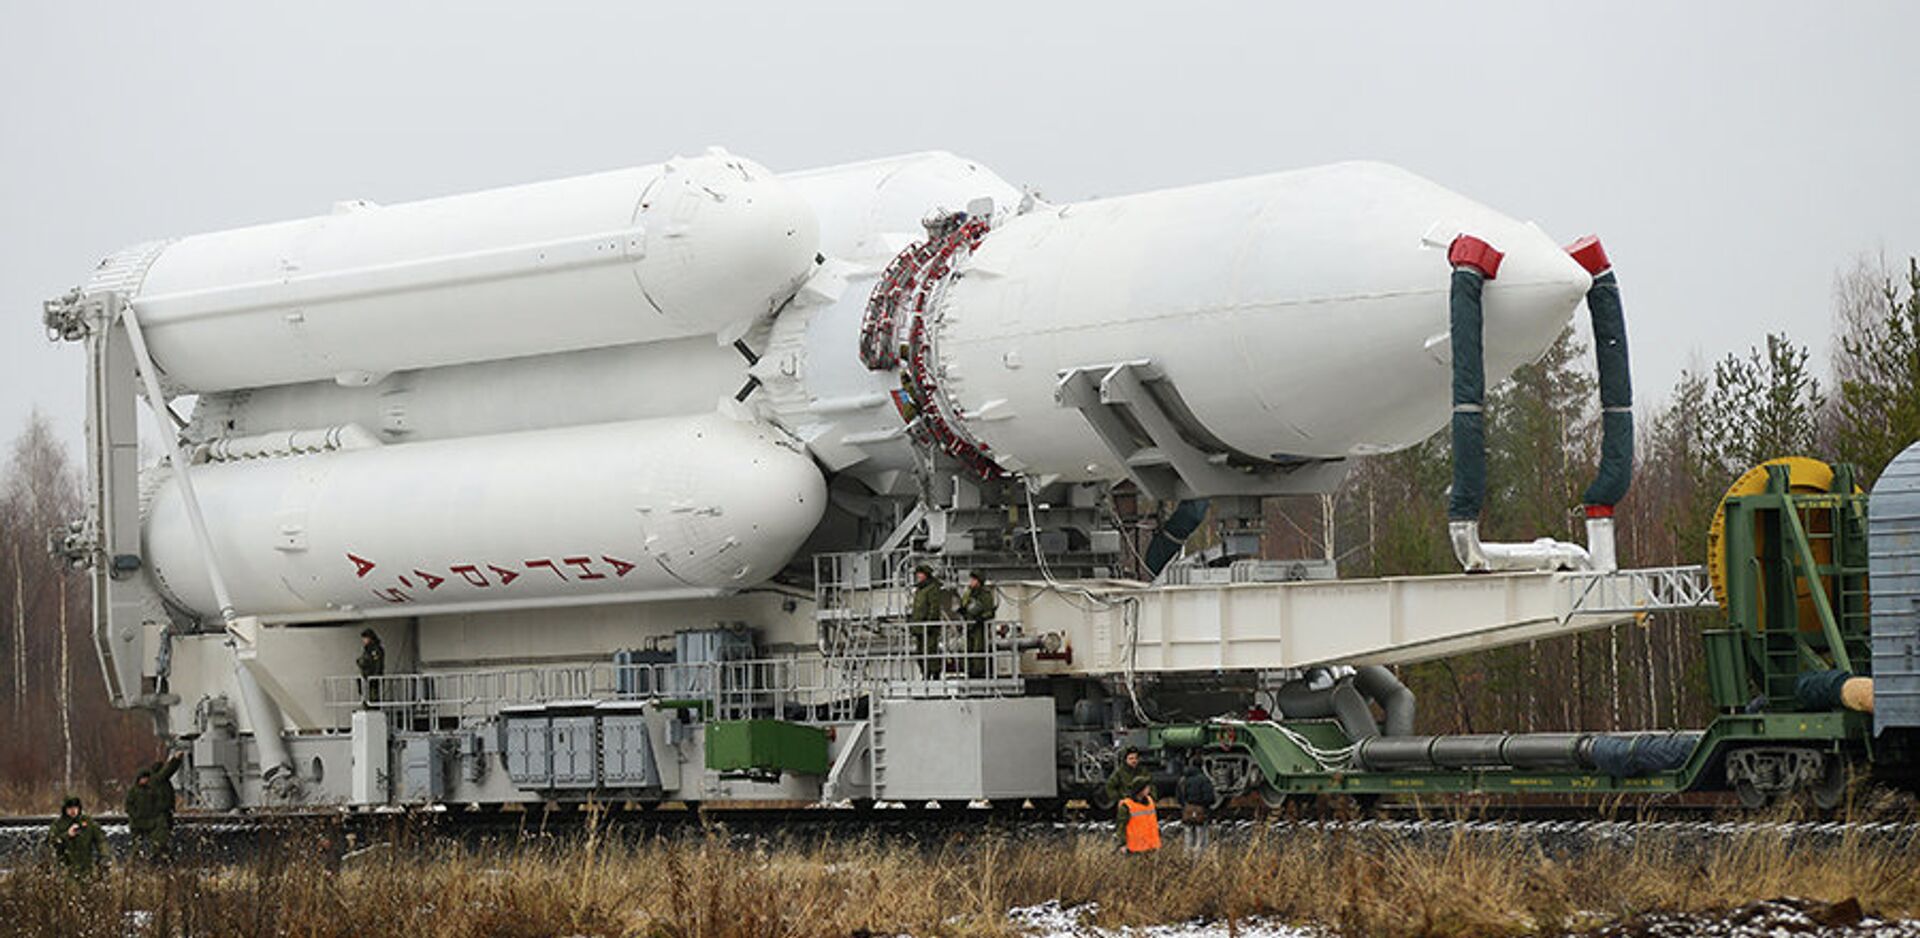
{"x": 548, "y": 563}
{"x": 471, "y": 574}
{"x": 506, "y": 575}
{"x": 620, "y": 567}
{"x": 361, "y": 565}
{"x": 433, "y": 582}
{"x": 585, "y": 564}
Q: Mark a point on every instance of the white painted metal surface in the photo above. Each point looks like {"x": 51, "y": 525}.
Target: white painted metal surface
{"x": 690, "y": 247}
{"x": 369, "y": 755}
{"x": 646, "y": 509}
{"x": 1298, "y": 314}
{"x": 637, "y": 381}
{"x": 965, "y": 749}
{"x": 1121, "y": 627}
{"x": 868, "y": 211}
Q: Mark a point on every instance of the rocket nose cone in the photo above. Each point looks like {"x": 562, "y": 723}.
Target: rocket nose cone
{"x": 1532, "y": 299}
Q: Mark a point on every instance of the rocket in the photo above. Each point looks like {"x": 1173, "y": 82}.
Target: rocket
{"x": 644, "y": 384}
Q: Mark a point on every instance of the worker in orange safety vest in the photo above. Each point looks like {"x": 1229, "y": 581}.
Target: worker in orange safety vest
{"x": 1143, "y": 821}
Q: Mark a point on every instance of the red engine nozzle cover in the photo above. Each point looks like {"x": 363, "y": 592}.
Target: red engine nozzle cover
{"x": 1589, "y": 254}
{"x": 1469, "y": 251}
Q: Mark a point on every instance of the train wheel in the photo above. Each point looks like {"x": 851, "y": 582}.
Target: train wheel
{"x": 1273, "y": 799}
{"x": 1831, "y": 789}
{"x": 1750, "y": 795}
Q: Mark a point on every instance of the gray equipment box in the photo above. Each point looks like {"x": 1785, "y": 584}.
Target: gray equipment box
{"x": 526, "y": 740}
{"x": 1893, "y": 566}
{"x": 626, "y": 748}
{"x": 966, "y": 749}
{"x": 576, "y": 752}
{"x": 423, "y": 770}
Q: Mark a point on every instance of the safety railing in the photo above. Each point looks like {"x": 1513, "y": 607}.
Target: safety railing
{"x": 905, "y": 659}
{"x": 1626, "y": 592}
{"x": 865, "y": 586}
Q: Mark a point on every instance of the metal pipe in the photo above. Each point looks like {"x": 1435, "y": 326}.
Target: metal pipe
{"x": 1180, "y": 525}
{"x": 1346, "y": 700}
{"x": 1379, "y": 684}
{"x": 177, "y": 459}
{"x": 1563, "y": 751}
{"x": 275, "y": 763}
{"x": 276, "y": 766}
{"x": 1474, "y": 263}
{"x": 1615, "y": 472}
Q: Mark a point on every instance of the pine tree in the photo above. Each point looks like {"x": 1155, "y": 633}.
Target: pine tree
{"x": 1877, "y": 412}
{"x": 1762, "y": 406}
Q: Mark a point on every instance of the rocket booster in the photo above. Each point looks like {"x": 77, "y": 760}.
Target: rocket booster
{"x": 658, "y": 368}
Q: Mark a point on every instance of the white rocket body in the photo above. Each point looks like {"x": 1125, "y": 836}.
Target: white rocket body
{"x": 547, "y": 373}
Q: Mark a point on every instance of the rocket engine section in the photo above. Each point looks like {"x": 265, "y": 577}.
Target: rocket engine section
{"x": 690, "y": 247}
{"x": 652, "y": 509}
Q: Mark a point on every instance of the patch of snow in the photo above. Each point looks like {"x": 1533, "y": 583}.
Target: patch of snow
{"x": 1052, "y": 919}
{"x": 1773, "y": 918}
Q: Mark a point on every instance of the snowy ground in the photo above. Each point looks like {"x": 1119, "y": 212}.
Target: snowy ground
{"x": 1777, "y": 918}
{"x": 1774, "y": 918}
{"x": 1053, "y": 920}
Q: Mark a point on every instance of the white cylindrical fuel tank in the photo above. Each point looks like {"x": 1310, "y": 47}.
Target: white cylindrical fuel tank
{"x": 690, "y": 247}
{"x": 1298, "y": 315}
{"x": 869, "y": 210}
{"x": 652, "y": 509}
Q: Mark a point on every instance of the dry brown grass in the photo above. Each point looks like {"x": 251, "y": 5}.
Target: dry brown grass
{"x": 712, "y": 886}
{"x": 18, "y": 799}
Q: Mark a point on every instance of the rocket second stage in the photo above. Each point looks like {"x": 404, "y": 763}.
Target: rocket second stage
{"x": 1282, "y": 320}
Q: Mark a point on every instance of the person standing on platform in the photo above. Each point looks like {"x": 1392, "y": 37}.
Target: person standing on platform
{"x": 372, "y": 663}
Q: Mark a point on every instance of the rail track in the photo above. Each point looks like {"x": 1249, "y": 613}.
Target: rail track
{"x": 219, "y": 838}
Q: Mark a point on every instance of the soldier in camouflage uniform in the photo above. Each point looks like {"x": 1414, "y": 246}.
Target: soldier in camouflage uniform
{"x": 978, "y": 607}
{"x": 76, "y": 841}
{"x": 150, "y": 807}
{"x": 932, "y": 604}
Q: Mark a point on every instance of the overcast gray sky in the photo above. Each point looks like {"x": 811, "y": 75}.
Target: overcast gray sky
{"x": 1733, "y": 156}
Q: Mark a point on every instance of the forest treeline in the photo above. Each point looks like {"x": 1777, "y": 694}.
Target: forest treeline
{"x": 1388, "y": 519}
{"x": 61, "y": 733}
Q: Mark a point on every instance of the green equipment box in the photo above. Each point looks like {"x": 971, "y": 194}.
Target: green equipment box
{"x": 766, "y": 746}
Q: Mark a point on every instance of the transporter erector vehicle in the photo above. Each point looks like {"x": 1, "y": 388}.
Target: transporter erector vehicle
{"x": 631, "y": 474}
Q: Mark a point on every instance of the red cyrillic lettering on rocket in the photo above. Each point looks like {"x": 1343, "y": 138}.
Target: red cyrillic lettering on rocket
{"x": 406, "y": 582}
{"x": 393, "y": 594}
{"x": 586, "y": 567}
{"x": 548, "y": 563}
{"x": 471, "y": 574}
{"x": 361, "y": 565}
{"x": 620, "y": 567}
{"x": 506, "y": 575}
{"x": 433, "y": 582}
